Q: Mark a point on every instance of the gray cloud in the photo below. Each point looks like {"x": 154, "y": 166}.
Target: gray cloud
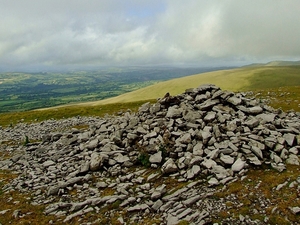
{"x": 90, "y": 33}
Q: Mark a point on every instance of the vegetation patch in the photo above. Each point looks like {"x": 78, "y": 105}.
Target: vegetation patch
{"x": 284, "y": 98}
{"x": 260, "y": 196}
{"x": 16, "y": 207}
{"x": 10, "y": 119}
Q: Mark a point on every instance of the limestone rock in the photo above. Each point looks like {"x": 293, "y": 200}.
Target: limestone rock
{"x": 96, "y": 161}
{"x": 156, "y": 158}
{"x": 169, "y": 166}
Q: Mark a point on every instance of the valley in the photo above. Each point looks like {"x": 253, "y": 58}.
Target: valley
{"x": 27, "y": 91}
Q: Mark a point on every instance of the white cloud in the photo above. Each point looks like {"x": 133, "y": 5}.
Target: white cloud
{"x": 98, "y": 32}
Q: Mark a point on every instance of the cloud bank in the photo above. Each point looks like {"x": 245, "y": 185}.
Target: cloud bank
{"x": 52, "y": 33}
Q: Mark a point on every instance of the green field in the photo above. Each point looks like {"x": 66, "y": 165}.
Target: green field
{"x": 27, "y": 91}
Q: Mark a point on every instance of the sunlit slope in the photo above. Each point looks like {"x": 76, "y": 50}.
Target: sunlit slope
{"x": 241, "y": 79}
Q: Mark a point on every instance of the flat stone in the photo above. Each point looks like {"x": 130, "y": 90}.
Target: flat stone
{"x": 227, "y": 159}
{"x": 209, "y": 163}
{"x": 184, "y": 213}
{"x": 48, "y": 163}
{"x": 92, "y": 144}
{"x": 252, "y": 122}
{"x": 295, "y": 210}
{"x": 234, "y": 100}
{"x": 293, "y": 160}
{"x": 266, "y": 117}
{"x": 255, "y": 110}
{"x": 210, "y": 116}
{"x": 257, "y": 152}
{"x": 192, "y": 200}
{"x": 141, "y": 207}
{"x": 238, "y": 165}
{"x": 213, "y": 181}
{"x": 121, "y": 158}
{"x": 141, "y": 130}
{"x": 186, "y": 138}
{"x": 174, "y": 112}
{"x": 194, "y": 171}
{"x": 172, "y": 220}
{"x": 156, "y": 158}
{"x": 157, "y": 205}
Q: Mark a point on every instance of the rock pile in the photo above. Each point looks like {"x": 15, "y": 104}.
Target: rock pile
{"x": 204, "y": 133}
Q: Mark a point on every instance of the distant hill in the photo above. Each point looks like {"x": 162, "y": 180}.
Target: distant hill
{"x": 283, "y": 63}
{"x": 275, "y": 63}
{"x": 240, "y": 79}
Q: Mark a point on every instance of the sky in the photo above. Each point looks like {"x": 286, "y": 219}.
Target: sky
{"x": 45, "y": 34}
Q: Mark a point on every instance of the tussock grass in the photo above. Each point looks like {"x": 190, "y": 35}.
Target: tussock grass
{"x": 285, "y": 98}
{"x": 258, "y": 196}
{"x": 9, "y": 119}
{"x": 14, "y": 200}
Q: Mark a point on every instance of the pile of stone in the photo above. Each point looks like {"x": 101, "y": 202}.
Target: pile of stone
{"x": 203, "y": 135}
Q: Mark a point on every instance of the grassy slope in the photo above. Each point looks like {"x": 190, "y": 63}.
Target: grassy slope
{"x": 241, "y": 79}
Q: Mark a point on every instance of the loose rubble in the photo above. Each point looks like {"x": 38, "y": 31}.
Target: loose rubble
{"x": 200, "y": 139}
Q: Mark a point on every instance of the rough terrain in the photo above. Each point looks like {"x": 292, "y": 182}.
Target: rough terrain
{"x": 163, "y": 164}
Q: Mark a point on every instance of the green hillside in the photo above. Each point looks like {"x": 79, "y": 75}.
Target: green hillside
{"x": 241, "y": 79}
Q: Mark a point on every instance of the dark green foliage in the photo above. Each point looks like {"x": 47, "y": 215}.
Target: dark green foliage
{"x": 143, "y": 159}
{"x": 26, "y": 141}
{"x": 164, "y": 151}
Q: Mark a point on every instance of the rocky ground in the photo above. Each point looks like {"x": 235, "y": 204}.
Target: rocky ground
{"x": 169, "y": 163}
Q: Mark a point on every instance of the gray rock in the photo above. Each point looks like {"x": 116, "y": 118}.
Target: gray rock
{"x": 234, "y": 100}
{"x": 294, "y": 151}
{"x": 121, "y": 158}
{"x": 96, "y": 161}
{"x": 92, "y": 144}
{"x": 192, "y": 200}
{"x": 238, "y": 165}
{"x": 252, "y": 122}
{"x": 257, "y": 152}
{"x": 198, "y": 149}
{"x": 194, "y": 171}
{"x": 169, "y": 167}
{"x": 227, "y": 159}
{"x": 255, "y": 110}
{"x": 156, "y": 158}
{"x": 293, "y": 160}
{"x": 184, "y": 213}
{"x": 174, "y": 112}
{"x": 213, "y": 181}
{"x": 266, "y": 117}
{"x": 141, "y": 130}
{"x": 295, "y": 210}
{"x": 289, "y": 138}
{"x": 157, "y": 205}
{"x": 186, "y": 138}
{"x": 208, "y": 104}
{"x": 220, "y": 172}
{"x": 141, "y": 207}
{"x": 209, "y": 163}
{"x": 48, "y": 163}
{"x": 210, "y": 116}
{"x": 172, "y": 220}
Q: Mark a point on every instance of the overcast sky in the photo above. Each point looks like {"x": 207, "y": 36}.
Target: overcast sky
{"x": 78, "y": 33}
